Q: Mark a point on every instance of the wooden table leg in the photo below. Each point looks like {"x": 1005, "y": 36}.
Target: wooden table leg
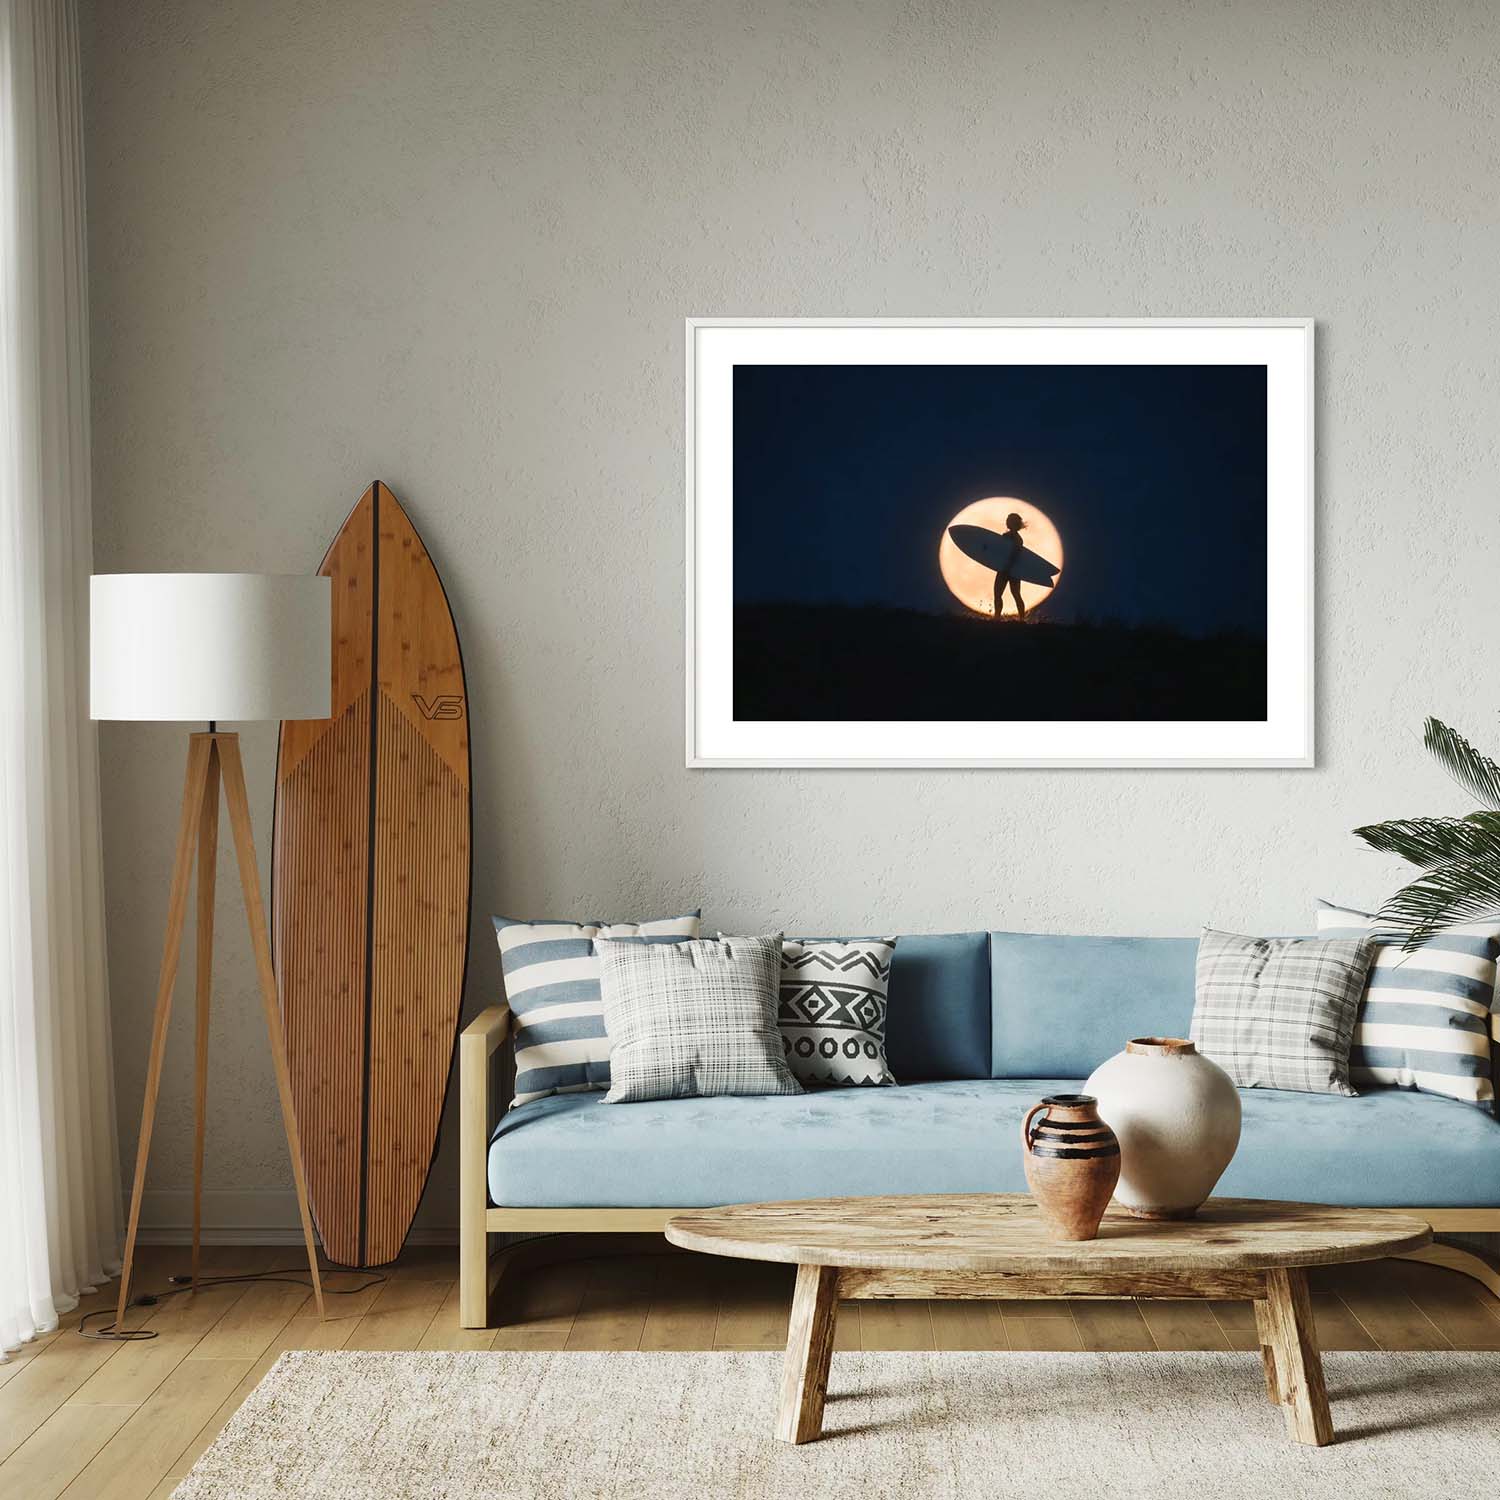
{"x": 1299, "y": 1366}
{"x": 809, "y": 1347}
{"x": 1267, "y": 1350}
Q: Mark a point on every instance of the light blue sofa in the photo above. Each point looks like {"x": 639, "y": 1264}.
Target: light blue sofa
{"x": 980, "y": 1026}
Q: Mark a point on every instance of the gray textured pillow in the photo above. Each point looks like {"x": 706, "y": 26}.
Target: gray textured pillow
{"x": 1278, "y": 1013}
{"x": 694, "y": 1018}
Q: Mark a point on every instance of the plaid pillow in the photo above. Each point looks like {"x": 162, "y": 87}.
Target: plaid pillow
{"x": 1426, "y": 1018}
{"x": 1278, "y": 1013}
{"x": 552, "y": 985}
{"x": 832, "y": 1010}
{"x": 691, "y": 1019}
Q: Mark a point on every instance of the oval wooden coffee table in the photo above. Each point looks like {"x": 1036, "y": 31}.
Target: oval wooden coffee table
{"x": 993, "y": 1245}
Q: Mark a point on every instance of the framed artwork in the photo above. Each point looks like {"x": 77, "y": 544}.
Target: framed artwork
{"x": 999, "y": 542}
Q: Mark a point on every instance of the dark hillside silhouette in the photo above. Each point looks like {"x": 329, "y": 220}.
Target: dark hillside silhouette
{"x": 852, "y": 662}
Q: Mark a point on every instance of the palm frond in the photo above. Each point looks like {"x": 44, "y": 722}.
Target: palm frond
{"x": 1471, "y": 770}
{"x": 1436, "y": 841}
{"x": 1463, "y": 890}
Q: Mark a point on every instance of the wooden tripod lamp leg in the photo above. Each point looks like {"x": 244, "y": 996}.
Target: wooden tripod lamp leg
{"x": 208, "y": 855}
{"x": 244, "y": 848}
{"x": 182, "y": 866}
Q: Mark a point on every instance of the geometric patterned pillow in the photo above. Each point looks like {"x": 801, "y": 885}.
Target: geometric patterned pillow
{"x": 552, "y": 986}
{"x": 690, "y": 1020}
{"x": 1278, "y": 1013}
{"x": 831, "y": 1010}
{"x": 1425, "y": 1022}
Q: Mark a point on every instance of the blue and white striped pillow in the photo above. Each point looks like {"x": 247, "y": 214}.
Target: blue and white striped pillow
{"x": 552, "y": 985}
{"x": 1426, "y": 1016}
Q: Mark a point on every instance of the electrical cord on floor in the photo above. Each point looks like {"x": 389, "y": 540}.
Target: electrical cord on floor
{"x": 180, "y": 1284}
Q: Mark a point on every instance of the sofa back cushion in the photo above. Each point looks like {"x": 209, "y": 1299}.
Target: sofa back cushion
{"x": 1062, "y": 1005}
{"x": 938, "y": 1008}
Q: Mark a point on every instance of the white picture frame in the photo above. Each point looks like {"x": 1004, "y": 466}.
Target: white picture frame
{"x": 715, "y": 739}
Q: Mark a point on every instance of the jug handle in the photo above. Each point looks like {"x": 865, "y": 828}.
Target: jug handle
{"x": 1031, "y": 1114}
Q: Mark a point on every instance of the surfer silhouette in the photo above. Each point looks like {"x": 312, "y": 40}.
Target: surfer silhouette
{"x": 1004, "y": 578}
{"x": 1014, "y": 563}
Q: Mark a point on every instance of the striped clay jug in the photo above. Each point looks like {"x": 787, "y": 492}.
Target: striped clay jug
{"x": 1072, "y": 1164}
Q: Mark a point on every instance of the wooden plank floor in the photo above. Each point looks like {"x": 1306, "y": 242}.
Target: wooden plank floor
{"x": 106, "y": 1421}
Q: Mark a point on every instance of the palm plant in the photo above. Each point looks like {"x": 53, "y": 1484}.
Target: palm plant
{"x": 1459, "y": 857}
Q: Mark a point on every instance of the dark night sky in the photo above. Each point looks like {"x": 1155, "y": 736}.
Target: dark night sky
{"x": 1155, "y": 476}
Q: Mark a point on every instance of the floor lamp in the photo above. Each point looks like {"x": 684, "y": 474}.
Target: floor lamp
{"x": 204, "y": 647}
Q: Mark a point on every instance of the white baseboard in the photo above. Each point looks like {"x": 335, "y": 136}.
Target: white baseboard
{"x": 253, "y": 1216}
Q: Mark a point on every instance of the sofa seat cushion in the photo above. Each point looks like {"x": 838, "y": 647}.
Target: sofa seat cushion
{"x": 1390, "y": 1148}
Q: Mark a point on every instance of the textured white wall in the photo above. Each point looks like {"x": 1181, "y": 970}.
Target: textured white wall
{"x": 451, "y": 245}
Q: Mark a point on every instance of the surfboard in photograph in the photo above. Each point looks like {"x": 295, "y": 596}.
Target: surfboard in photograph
{"x": 370, "y": 886}
{"x": 999, "y": 551}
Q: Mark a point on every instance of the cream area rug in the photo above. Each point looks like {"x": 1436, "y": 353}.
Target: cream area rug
{"x": 660, "y": 1426}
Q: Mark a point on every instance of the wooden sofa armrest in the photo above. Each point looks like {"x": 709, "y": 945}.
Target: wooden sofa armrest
{"x": 485, "y": 1032}
{"x": 476, "y": 1046}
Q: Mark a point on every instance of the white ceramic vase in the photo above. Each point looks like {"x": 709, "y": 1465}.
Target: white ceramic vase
{"x": 1177, "y": 1116}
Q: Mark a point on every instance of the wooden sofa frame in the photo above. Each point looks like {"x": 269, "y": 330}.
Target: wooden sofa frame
{"x": 481, "y": 1039}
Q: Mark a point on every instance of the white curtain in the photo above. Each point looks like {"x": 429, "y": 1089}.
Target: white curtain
{"x": 59, "y": 1161}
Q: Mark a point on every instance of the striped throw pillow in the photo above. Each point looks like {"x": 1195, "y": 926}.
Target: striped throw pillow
{"x": 552, "y": 986}
{"x": 1426, "y": 1018}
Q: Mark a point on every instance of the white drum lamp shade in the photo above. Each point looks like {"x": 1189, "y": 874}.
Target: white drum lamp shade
{"x": 210, "y": 646}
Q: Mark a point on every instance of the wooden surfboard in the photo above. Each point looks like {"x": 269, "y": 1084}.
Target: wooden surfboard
{"x": 370, "y": 886}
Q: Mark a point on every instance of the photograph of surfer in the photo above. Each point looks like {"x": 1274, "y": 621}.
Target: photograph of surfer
{"x": 1113, "y": 517}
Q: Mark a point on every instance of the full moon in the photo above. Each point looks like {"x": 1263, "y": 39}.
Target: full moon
{"x": 973, "y": 584}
